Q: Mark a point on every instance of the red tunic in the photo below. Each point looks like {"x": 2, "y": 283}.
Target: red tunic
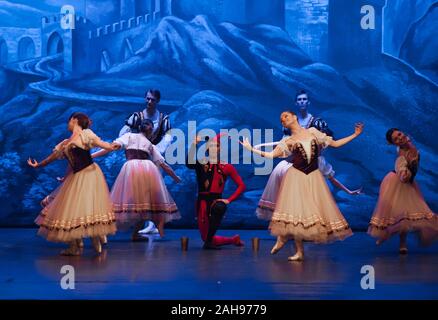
{"x": 211, "y": 183}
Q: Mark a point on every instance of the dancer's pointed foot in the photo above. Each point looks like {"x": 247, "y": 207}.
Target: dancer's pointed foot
{"x": 403, "y": 250}
{"x": 103, "y": 240}
{"x": 297, "y": 257}
{"x": 96, "y": 244}
{"x": 237, "y": 241}
{"x": 278, "y": 245}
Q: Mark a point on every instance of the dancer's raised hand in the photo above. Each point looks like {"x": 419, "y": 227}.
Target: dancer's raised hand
{"x": 32, "y": 162}
{"x": 245, "y": 143}
{"x": 358, "y": 128}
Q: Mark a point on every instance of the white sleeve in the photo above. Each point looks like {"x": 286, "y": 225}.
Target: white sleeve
{"x": 282, "y": 145}
{"x": 58, "y": 150}
{"x": 123, "y": 140}
{"x": 156, "y": 157}
{"x": 322, "y": 138}
{"x": 89, "y": 138}
{"x": 164, "y": 143}
{"x": 325, "y": 167}
{"x": 126, "y": 129}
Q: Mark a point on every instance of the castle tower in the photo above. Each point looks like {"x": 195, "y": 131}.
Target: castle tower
{"x": 306, "y": 21}
{"x": 350, "y": 44}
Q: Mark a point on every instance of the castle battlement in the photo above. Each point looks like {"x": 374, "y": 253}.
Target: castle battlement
{"x": 123, "y": 25}
{"x": 49, "y": 21}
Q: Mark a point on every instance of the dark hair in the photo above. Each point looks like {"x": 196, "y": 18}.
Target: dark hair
{"x": 389, "y": 135}
{"x": 300, "y": 92}
{"x": 290, "y": 111}
{"x": 155, "y": 92}
{"x": 83, "y": 120}
{"x": 144, "y": 123}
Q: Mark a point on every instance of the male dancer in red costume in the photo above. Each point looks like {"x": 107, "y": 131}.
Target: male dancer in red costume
{"x": 211, "y": 174}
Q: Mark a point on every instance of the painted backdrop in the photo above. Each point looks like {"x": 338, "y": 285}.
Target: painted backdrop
{"x": 225, "y": 64}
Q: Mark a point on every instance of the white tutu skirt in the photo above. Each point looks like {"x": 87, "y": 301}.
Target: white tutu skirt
{"x": 401, "y": 208}
{"x": 80, "y": 207}
{"x": 139, "y": 193}
{"x": 266, "y": 205}
{"x": 305, "y": 210}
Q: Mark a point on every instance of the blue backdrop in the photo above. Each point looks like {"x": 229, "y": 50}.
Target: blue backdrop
{"x": 225, "y": 64}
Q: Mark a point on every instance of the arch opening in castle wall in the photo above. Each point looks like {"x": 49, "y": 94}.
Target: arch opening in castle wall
{"x": 26, "y": 48}
{"x": 3, "y": 52}
{"x": 55, "y": 44}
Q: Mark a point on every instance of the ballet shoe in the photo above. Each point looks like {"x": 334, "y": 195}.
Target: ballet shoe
{"x": 103, "y": 240}
{"x": 96, "y": 244}
{"x": 278, "y": 245}
{"x": 296, "y": 257}
{"x": 403, "y": 250}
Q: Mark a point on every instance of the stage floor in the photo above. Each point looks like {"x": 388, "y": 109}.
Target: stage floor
{"x": 158, "y": 269}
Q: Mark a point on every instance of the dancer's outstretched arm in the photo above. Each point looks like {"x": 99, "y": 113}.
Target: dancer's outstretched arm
{"x": 170, "y": 172}
{"x": 102, "y": 152}
{"x": 35, "y": 164}
{"x": 339, "y": 185}
{"x": 267, "y": 144}
{"x": 339, "y": 143}
{"x": 277, "y": 152}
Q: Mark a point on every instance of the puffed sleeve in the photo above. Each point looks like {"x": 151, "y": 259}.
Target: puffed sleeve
{"x": 156, "y": 156}
{"x": 322, "y": 138}
{"x": 123, "y": 140}
{"x": 89, "y": 138}
{"x": 402, "y": 170}
{"x": 284, "y": 147}
{"x": 59, "y": 149}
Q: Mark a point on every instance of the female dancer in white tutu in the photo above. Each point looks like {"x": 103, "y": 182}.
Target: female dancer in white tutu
{"x": 401, "y": 207}
{"x": 139, "y": 192}
{"x": 81, "y": 207}
{"x": 305, "y": 209}
{"x": 266, "y": 205}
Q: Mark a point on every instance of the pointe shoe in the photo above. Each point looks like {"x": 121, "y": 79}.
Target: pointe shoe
{"x": 278, "y": 245}
{"x": 237, "y": 241}
{"x": 96, "y": 244}
{"x": 296, "y": 257}
{"x": 103, "y": 240}
{"x": 403, "y": 250}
